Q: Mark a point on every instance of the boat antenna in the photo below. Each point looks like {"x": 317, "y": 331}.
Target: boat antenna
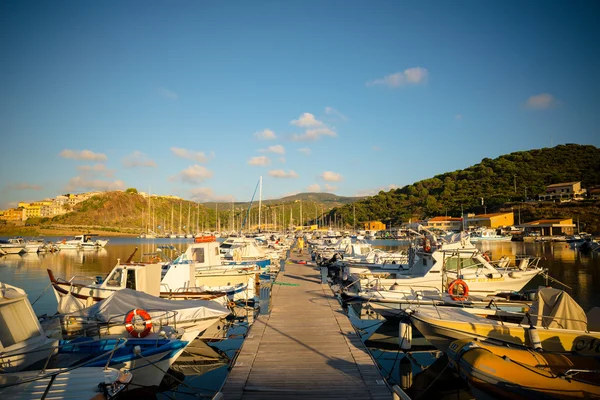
{"x": 131, "y": 256}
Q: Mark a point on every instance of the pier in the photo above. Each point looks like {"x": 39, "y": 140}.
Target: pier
{"x": 304, "y": 348}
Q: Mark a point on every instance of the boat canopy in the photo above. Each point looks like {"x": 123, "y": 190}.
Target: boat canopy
{"x": 123, "y": 301}
{"x": 554, "y": 308}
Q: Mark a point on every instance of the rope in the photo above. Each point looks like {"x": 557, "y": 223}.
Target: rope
{"x": 432, "y": 382}
{"x": 50, "y": 284}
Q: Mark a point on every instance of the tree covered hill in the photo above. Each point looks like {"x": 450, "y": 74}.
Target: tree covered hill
{"x": 485, "y": 187}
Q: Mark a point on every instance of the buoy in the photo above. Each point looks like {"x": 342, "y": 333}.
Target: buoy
{"x": 405, "y": 335}
{"x": 534, "y": 338}
{"x": 406, "y": 373}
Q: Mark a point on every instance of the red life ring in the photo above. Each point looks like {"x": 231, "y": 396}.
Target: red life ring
{"x": 426, "y": 245}
{"x": 486, "y": 257}
{"x": 131, "y": 327}
{"x": 458, "y": 297}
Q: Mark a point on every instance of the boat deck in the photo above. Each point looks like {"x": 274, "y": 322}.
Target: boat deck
{"x": 305, "y": 348}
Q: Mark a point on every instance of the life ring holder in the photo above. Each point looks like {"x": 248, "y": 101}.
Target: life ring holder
{"x": 463, "y": 284}
{"x": 131, "y": 327}
{"x": 426, "y": 245}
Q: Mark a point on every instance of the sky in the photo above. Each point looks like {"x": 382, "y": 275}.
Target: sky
{"x": 199, "y": 99}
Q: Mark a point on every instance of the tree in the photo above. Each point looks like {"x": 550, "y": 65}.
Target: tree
{"x": 131, "y": 190}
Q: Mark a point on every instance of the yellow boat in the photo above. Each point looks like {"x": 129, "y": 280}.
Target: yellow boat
{"x": 516, "y": 373}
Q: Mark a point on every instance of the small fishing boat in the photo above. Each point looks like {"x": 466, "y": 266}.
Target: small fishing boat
{"x": 555, "y": 322}
{"x": 515, "y": 373}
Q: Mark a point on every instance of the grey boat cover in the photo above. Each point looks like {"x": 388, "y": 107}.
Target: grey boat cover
{"x": 554, "y": 308}
{"x": 125, "y": 300}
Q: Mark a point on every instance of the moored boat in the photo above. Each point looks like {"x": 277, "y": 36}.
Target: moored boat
{"x": 515, "y": 373}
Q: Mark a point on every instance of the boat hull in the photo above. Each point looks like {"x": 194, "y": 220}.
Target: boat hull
{"x": 509, "y": 373}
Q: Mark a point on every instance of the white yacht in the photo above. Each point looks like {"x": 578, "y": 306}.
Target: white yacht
{"x": 13, "y": 246}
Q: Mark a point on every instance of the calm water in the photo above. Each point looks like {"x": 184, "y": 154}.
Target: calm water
{"x": 418, "y": 370}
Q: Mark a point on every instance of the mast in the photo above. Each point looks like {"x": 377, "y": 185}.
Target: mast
{"x": 180, "y": 206}
{"x": 259, "y": 201}
{"x": 188, "y": 224}
{"x": 172, "y": 226}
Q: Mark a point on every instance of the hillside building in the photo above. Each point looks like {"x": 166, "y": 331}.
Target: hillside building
{"x": 445, "y": 223}
{"x": 12, "y": 215}
{"x": 550, "y": 227}
{"x": 496, "y": 220}
{"x": 564, "y": 191}
{"x": 374, "y": 226}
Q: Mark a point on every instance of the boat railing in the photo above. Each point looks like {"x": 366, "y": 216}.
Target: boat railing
{"x": 78, "y": 326}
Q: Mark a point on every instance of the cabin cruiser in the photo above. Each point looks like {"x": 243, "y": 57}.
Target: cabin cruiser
{"x": 82, "y": 242}
{"x": 13, "y": 246}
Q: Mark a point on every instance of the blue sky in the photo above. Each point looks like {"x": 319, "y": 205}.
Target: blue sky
{"x": 199, "y": 99}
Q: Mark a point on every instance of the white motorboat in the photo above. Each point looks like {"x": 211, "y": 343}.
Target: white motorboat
{"x": 487, "y": 234}
{"x": 82, "y": 242}
{"x": 13, "y": 246}
{"x": 244, "y": 250}
{"x": 22, "y": 338}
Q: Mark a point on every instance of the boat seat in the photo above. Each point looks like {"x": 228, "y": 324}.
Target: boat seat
{"x": 593, "y": 319}
{"x": 523, "y": 264}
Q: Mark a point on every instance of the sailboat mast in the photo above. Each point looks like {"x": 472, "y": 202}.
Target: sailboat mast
{"x": 259, "y": 202}
{"x": 180, "y": 206}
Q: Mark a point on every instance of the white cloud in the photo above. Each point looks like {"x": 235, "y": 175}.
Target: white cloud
{"x": 306, "y": 120}
{"x": 137, "y": 159}
{"x": 330, "y": 188}
{"x": 260, "y": 160}
{"x": 410, "y": 76}
{"x": 277, "y": 149}
{"x": 313, "y": 134}
{"x": 541, "y": 101}
{"x": 458, "y": 117}
{"x": 197, "y": 156}
{"x": 315, "y": 187}
{"x": 193, "y": 174}
{"x": 332, "y": 111}
{"x": 279, "y": 173}
{"x": 305, "y": 150}
{"x": 86, "y": 155}
{"x": 265, "y": 134}
{"x": 206, "y": 194}
{"x": 330, "y": 176}
{"x": 96, "y": 170}
{"x": 167, "y": 93}
{"x": 376, "y": 148}
{"x": 80, "y": 183}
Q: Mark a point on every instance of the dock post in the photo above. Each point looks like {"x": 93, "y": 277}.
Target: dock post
{"x": 282, "y": 266}
{"x": 264, "y": 299}
{"x": 324, "y": 275}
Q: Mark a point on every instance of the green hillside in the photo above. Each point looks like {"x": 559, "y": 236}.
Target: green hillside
{"x": 503, "y": 182}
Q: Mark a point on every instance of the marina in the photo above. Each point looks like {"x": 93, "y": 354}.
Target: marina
{"x": 301, "y": 339}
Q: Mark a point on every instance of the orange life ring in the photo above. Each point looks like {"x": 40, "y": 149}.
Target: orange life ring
{"x": 131, "y": 327}
{"x": 459, "y": 297}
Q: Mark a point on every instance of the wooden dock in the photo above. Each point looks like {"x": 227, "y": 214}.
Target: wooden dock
{"x": 305, "y": 348}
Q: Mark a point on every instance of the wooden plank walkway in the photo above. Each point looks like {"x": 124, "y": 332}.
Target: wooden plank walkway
{"x": 305, "y": 348}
